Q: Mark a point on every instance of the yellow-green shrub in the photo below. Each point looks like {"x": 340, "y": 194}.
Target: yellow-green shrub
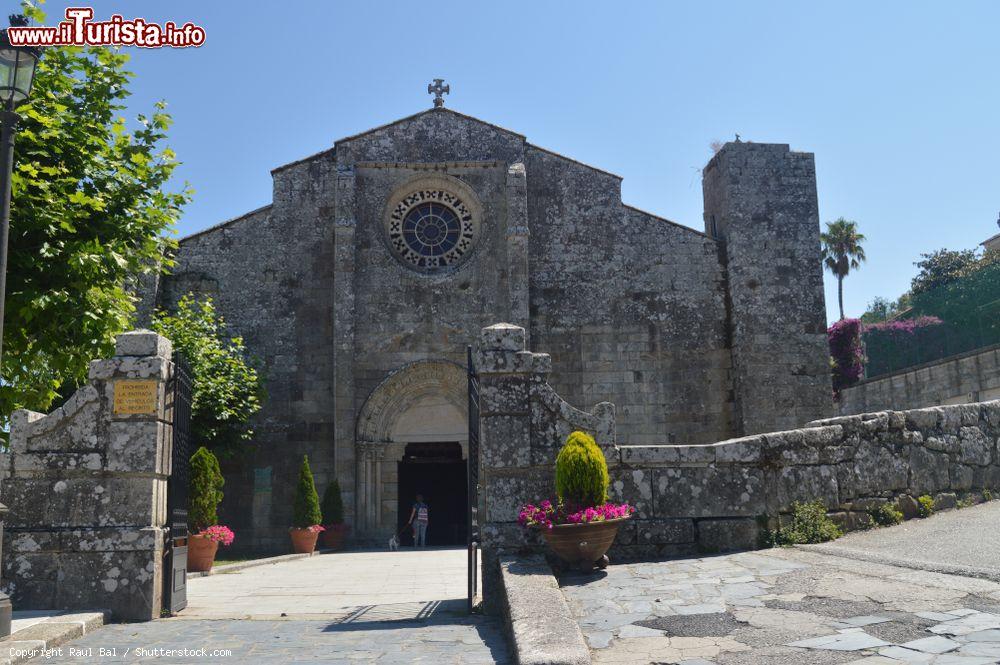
{"x": 581, "y": 473}
{"x": 810, "y": 524}
{"x": 886, "y": 514}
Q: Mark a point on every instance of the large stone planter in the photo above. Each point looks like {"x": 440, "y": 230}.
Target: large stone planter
{"x": 583, "y": 545}
{"x": 201, "y": 553}
{"x": 303, "y": 540}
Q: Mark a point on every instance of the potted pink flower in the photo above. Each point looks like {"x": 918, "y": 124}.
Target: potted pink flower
{"x": 203, "y": 546}
{"x": 581, "y": 526}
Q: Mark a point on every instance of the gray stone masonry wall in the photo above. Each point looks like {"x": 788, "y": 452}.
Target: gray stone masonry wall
{"x": 633, "y": 307}
{"x": 630, "y": 306}
{"x": 87, "y": 493}
{"x": 970, "y": 377}
{"x": 271, "y": 274}
{"x": 760, "y": 201}
{"x": 716, "y": 497}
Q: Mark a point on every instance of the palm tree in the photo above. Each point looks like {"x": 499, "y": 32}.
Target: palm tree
{"x": 842, "y": 252}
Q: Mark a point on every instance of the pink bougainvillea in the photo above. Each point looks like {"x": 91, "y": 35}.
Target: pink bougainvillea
{"x": 882, "y": 347}
{"x": 219, "y": 534}
{"x": 846, "y": 352}
{"x": 903, "y": 326}
{"x": 546, "y": 515}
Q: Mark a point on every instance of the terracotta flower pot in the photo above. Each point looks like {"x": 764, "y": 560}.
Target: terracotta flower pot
{"x": 583, "y": 545}
{"x": 201, "y": 554}
{"x": 333, "y": 537}
{"x": 303, "y": 540}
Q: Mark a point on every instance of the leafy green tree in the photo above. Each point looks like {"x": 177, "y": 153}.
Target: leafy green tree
{"x": 333, "y": 504}
{"x": 965, "y": 296}
{"x": 205, "y": 493}
{"x": 227, "y": 389}
{"x": 879, "y": 310}
{"x": 89, "y": 215}
{"x": 941, "y": 267}
{"x": 842, "y": 252}
{"x": 305, "y": 510}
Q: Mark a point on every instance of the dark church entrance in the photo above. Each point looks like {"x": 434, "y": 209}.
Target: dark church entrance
{"x": 437, "y": 471}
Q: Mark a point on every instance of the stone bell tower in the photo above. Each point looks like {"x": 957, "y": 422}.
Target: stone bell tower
{"x": 761, "y": 204}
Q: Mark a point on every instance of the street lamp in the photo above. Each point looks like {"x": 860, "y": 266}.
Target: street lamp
{"x": 17, "y": 72}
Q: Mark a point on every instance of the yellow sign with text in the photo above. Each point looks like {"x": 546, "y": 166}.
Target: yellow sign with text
{"x": 135, "y": 398}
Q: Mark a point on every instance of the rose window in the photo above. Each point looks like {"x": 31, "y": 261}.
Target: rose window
{"x": 431, "y": 230}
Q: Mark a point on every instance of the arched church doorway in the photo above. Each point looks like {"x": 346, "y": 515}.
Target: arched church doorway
{"x": 412, "y": 438}
{"x": 437, "y": 472}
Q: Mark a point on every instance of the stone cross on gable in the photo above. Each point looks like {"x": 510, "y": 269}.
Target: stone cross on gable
{"x": 438, "y": 89}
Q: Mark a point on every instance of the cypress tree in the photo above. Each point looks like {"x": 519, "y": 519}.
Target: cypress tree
{"x": 333, "y": 504}
{"x": 206, "y": 490}
{"x": 306, "y": 508}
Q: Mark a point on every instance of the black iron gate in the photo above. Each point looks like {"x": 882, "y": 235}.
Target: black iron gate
{"x": 473, "y": 480}
{"x": 175, "y": 550}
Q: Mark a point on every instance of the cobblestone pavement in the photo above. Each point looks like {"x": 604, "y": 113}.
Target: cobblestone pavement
{"x": 784, "y": 606}
{"x": 437, "y": 633}
{"x": 350, "y": 607}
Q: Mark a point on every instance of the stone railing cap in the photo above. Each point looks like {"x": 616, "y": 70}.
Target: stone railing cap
{"x": 502, "y": 337}
{"x": 142, "y": 343}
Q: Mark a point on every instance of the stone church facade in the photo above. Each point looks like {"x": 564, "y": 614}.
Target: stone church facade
{"x": 381, "y": 259}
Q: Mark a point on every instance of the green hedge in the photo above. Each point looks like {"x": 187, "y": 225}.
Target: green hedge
{"x": 968, "y": 308}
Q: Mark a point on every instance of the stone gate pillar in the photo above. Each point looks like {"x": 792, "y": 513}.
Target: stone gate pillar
{"x": 523, "y": 424}
{"x": 506, "y": 371}
{"x": 87, "y": 489}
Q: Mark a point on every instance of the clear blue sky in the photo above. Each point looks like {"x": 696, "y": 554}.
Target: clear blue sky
{"x": 900, "y": 101}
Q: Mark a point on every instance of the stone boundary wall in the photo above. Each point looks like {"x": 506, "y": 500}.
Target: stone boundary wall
{"x": 714, "y": 497}
{"x": 969, "y": 377}
{"x": 87, "y": 492}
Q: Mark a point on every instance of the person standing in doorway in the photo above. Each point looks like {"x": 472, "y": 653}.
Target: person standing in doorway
{"x": 418, "y": 518}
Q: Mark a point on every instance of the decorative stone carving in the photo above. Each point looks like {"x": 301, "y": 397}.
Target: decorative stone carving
{"x": 405, "y": 387}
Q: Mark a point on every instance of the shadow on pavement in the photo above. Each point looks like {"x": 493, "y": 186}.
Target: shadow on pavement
{"x": 375, "y": 617}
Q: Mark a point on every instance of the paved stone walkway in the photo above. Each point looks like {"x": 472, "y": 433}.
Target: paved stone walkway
{"x": 785, "y": 606}
{"x": 329, "y": 583}
{"x": 940, "y": 543}
{"x": 351, "y": 607}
